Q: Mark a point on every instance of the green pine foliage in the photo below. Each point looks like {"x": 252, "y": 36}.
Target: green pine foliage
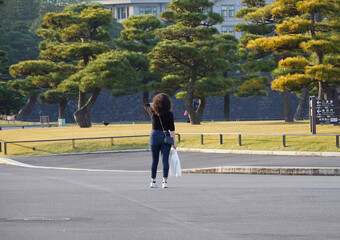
{"x": 258, "y": 22}
{"x": 3, "y": 62}
{"x": 139, "y": 38}
{"x": 10, "y": 101}
{"x": 17, "y": 10}
{"x": 76, "y": 36}
{"x": 192, "y": 56}
{"x": 312, "y": 35}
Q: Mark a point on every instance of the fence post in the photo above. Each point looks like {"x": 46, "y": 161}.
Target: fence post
{"x": 221, "y": 139}
{"x": 0, "y": 146}
{"x": 202, "y": 139}
{"x": 284, "y": 140}
{"x": 73, "y": 143}
{"x": 5, "y": 148}
{"x": 179, "y": 138}
{"x": 112, "y": 142}
{"x": 336, "y": 140}
{"x": 239, "y": 140}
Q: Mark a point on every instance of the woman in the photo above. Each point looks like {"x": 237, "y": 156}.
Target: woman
{"x": 160, "y": 113}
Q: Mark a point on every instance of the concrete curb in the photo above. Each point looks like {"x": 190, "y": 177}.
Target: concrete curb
{"x": 260, "y": 152}
{"x": 263, "y": 170}
{"x": 307, "y": 171}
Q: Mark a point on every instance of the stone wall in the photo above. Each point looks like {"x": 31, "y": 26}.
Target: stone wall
{"x": 129, "y": 108}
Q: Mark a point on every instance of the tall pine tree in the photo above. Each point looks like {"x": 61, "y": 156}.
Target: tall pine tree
{"x": 192, "y": 56}
{"x": 314, "y": 33}
{"x": 139, "y": 39}
{"x": 75, "y": 35}
{"x": 259, "y": 22}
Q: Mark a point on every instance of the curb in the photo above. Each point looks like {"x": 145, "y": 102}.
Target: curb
{"x": 306, "y": 171}
{"x": 263, "y": 170}
{"x": 260, "y": 152}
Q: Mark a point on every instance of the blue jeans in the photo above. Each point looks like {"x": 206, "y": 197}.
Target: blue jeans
{"x": 157, "y": 145}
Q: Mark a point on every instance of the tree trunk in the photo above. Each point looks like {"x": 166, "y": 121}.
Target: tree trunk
{"x": 82, "y": 115}
{"x": 303, "y": 104}
{"x": 227, "y": 107}
{"x": 82, "y": 118}
{"x": 189, "y": 105}
{"x": 145, "y": 115}
{"x": 81, "y": 99}
{"x": 327, "y": 92}
{"x": 6, "y": 110}
{"x": 320, "y": 93}
{"x": 62, "y": 109}
{"x": 27, "y": 109}
{"x": 287, "y": 106}
{"x": 200, "y": 109}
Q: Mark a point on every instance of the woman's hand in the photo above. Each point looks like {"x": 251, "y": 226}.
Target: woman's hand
{"x": 173, "y": 135}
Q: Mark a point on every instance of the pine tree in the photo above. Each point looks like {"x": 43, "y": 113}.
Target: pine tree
{"x": 15, "y": 37}
{"x": 314, "y": 33}
{"x": 10, "y": 101}
{"x": 46, "y": 76}
{"x": 192, "y": 56}
{"x": 75, "y": 35}
{"x": 27, "y": 89}
{"x": 18, "y": 10}
{"x": 45, "y": 6}
{"x": 259, "y": 22}
{"x": 139, "y": 39}
{"x": 3, "y": 55}
{"x": 308, "y": 40}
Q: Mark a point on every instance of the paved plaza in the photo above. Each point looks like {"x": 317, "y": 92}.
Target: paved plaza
{"x": 55, "y": 203}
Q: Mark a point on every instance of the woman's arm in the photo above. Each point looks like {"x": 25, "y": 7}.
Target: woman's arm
{"x": 173, "y": 135}
{"x": 148, "y": 108}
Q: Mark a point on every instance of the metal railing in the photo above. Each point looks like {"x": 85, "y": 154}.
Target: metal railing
{"x": 239, "y": 139}
{"x": 284, "y": 136}
{"x": 73, "y": 140}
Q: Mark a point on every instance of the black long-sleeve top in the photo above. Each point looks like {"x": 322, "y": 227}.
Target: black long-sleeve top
{"x": 167, "y": 119}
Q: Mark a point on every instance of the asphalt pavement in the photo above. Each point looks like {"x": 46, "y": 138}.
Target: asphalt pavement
{"x": 42, "y": 204}
{"x": 107, "y": 196}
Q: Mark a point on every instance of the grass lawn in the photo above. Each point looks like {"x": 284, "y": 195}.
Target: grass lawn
{"x": 293, "y": 143}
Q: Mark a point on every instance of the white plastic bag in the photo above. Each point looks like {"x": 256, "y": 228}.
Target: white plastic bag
{"x": 175, "y": 165}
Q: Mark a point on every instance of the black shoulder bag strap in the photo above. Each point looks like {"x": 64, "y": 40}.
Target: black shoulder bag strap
{"x": 161, "y": 124}
{"x": 167, "y": 139}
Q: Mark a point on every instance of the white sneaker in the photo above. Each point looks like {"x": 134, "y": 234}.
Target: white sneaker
{"x": 153, "y": 185}
{"x": 165, "y": 185}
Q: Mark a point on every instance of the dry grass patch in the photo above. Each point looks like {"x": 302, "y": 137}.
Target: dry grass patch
{"x": 294, "y": 143}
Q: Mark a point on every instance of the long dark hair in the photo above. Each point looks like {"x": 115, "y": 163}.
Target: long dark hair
{"x": 161, "y": 104}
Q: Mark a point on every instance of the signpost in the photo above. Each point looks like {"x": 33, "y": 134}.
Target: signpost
{"x": 323, "y": 112}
